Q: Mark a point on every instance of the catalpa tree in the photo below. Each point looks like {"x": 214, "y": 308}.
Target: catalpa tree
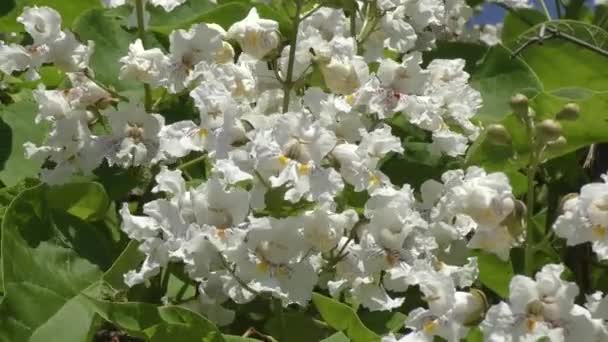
{"x": 303, "y": 170}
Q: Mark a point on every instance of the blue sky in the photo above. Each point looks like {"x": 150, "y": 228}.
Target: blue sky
{"x": 492, "y": 14}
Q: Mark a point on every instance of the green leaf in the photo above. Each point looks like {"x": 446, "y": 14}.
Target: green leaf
{"x": 111, "y": 43}
{"x": 19, "y": 116}
{"x": 472, "y": 53}
{"x": 474, "y": 335}
{"x": 519, "y": 21}
{"x": 337, "y": 337}
{"x": 186, "y": 12}
{"x": 166, "y": 323}
{"x": 49, "y": 258}
{"x": 301, "y": 327}
{"x": 69, "y": 10}
{"x": 129, "y": 259}
{"x": 383, "y": 322}
{"x": 494, "y": 273}
{"x": 560, "y": 63}
{"x": 87, "y": 201}
{"x": 343, "y": 318}
{"x": 226, "y": 13}
{"x": 497, "y": 79}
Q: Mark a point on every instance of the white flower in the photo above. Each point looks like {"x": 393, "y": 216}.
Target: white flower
{"x": 188, "y": 48}
{"x": 256, "y": 36}
{"x": 167, "y": 5}
{"x": 274, "y": 258}
{"x": 472, "y": 201}
{"x": 147, "y": 66}
{"x": 14, "y": 57}
{"x": 324, "y": 228}
{"x": 42, "y": 23}
{"x": 135, "y": 136}
{"x": 540, "y": 307}
{"x": 585, "y": 219}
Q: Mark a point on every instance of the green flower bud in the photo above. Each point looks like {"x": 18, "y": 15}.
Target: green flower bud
{"x": 515, "y": 220}
{"x": 557, "y": 144}
{"x": 571, "y": 111}
{"x": 548, "y": 130}
{"x": 519, "y": 104}
{"x": 498, "y": 135}
{"x": 565, "y": 199}
{"x": 477, "y": 311}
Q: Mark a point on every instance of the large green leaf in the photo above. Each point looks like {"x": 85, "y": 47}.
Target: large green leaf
{"x": 499, "y": 77}
{"x": 69, "y": 10}
{"x": 186, "y": 12}
{"x": 225, "y": 14}
{"x": 19, "y": 116}
{"x": 87, "y": 201}
{"x": 561, "y": 64}
{"x": 343, "y": 318}
{"x": 157, "y": 323}
{"x": 296, "y": 327}
{"x": 519, "y": 21}
{"x": 111, "y": 43}
{"x": 494, "y": 273}
{"x": 49, "y": 258}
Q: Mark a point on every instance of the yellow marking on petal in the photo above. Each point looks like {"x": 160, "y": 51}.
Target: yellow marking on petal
{"x": 221, "y": 232}
{"x": 350, "y": 99}
{"x": 283, "y": 160}
{"x": 530, "y": 324}
{"x": 303, "y": 169}
{"x": 599, "y": 231}
{"x": 430, "y": 327}
{"x": 392, "y": 258}
{"x": 373, "y": 179}
{"x": 263, "y": 266}
{"x": 203, "y": 132}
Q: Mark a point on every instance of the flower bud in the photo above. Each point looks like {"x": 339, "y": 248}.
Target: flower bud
{"x": 571, "y": 111}
{"x": 519, "y": 104}
{"x": 515, "y": 220}
{"x": 477, "y": 311}
{"x": 565, "y": 199}
{"x": 557, "y": 144}
{"x": 497, "y": 134}
{"x": 548, "y": 130}
{"x": 341, "y": 78}
{"x": 225, "y": 54}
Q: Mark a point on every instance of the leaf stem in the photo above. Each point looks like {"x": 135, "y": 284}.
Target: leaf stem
{"x": 288, "y": 81}
{"x": 141, "y": 32}
{"x": 192, "y": 162}
{"x": 530, "y": 196}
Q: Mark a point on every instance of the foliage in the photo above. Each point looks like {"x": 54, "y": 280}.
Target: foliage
{"x": 316, "y": 171}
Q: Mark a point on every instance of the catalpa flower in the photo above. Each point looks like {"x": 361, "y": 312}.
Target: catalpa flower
{"x": 256, "y": 36}
{"x": 585, "y": 219}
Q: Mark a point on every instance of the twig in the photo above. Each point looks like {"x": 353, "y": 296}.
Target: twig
{"x": 141, "y": 32}
{"x": 556, "y": 33}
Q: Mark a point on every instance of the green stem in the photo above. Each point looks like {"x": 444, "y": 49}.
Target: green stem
{"x": 530, "y": 197}
{"x": 278, "y": 310}
{"x": 545, "y": 9}
{"x": 288, "y": 81}
{"x": 192, "y": 162}
{"x": 164, "y": 284}
{"x": 141, "y": 32}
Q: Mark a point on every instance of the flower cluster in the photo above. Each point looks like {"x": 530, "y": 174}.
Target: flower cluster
{"x": 303, "y": 125}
